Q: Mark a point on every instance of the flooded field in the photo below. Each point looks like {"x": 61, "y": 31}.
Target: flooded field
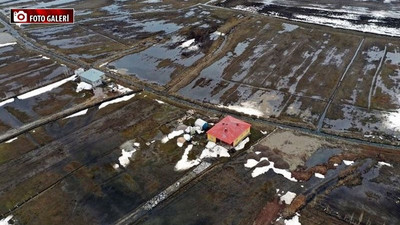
{"x": 90, "y": 175}
{"x": 190, "y": 36}
{"x": 251, "y": 74}
{"x": 75, "y": 41}
{"x": 371, "y": 108}
{"x": 129, "y": 156}
{"x": 21, "y": 70}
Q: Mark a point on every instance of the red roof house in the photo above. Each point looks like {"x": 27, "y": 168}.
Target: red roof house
{"x": 229, "y": 130}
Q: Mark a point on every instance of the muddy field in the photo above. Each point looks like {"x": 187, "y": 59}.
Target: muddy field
{"x": 124, "y": 163}
{"x": 256, "y": 188}
{"x": 120, "y": 158}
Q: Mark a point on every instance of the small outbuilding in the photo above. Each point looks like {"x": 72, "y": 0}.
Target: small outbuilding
{"x": 229, "y": 130}
{"x": 93, "y": 77}
{"x": 201, "y": 123}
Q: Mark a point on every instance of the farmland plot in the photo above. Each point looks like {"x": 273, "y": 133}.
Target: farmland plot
{"x": 275, "y": 70}
{"x": 75, "y": 41}
{"x": 21, "y": 71}
{"x": 371, "y": 108}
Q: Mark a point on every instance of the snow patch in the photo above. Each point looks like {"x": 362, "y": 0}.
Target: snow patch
{"x": 241, "y": 145}
{"x": 318, "y": 175}
{"x": 184, "y": 163}
{"x": 122, "y": 89}
{"x": 124, "y": 158}
{"x": 46, "y": 88}
{"x": 10, "y": 100}
{"x": 385, "y": 164}
{"x": 103, "y": 64}
{"x": 348, "y": 162}
{"x": 80, "y": 113}
{"x": 11, "y": 140}
{"x": 187, "y": 43}
{"x": 8, "y": 44}
{"x": 6, "y": 220}
{"x": 214, "y": 152}
{"x": 261, "y": 170}
{"x": 159, "y": 101}
{"x": 172, "y": 135}
{"x": 288, "y": 197}
{"x": 244, "y": 107}
{"x": 83, "y": 86}
{"x": 295, "y": 220}
{"x": 117, "y": 100}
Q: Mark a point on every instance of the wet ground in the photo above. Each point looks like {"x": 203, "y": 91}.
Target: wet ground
{"x": 21, "y": 70}
{"x": 214, "y": 199}
{"x": 88, "y": 175}
{"x": 103, "y": 163}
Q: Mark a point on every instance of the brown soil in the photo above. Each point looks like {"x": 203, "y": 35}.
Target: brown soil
{"x": 296, "y": 204}
{"x": 269, "y": 213}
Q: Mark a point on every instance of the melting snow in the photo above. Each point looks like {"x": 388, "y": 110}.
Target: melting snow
{"x": 345, "y": 24}
{"x": 11, "y": 140}
{"x": 288, "y": 28}
{"x": 385, "y": 164}
{"x": 172, "y": 135}
{"x": 184, "y": 163}
{"x": 261, "y": 170}
{"x": 160, "y": 102}
{"x": 83, "y": 86}
{"x": 103, "y": 64}
{"x": 8, "y": 44}
{"x": 251, "y": 163}
{"x": 6, "y": 220}
{"x": 348, "y": 162}
{"x": 244, "y": 107}
{"x": 124, "y": 158}
{"x": 241, "y": 145}
{"x": 293, "y": 221}
{"x": 80, "y": 113}
{"x": 216, "y": 35}
{"x": 121, "y": 99}
{"x": 288, "y": 197}
{"x": 46, "y": 88}
{"x": 122, "y": 89}
{"x": 188, "y": 43}
{"x": 6, "y": 101}
{"x": 213, "y": 152}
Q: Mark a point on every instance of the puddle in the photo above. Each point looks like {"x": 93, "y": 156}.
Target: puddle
{"x": 321, "y": 156}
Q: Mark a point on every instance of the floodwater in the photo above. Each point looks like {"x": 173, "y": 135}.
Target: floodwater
{"x": 146, "y": 64}
{"x": 322, "y": 156}
{"x": 368, "y": 198}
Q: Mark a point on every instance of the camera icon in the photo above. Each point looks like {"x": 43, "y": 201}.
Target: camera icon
{"x": 20, "y": 17}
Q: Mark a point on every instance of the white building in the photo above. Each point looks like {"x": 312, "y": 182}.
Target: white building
{"x": 92, "y": 76}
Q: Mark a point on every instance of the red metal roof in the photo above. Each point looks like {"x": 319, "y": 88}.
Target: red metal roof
{"x": 228, "y": 129}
